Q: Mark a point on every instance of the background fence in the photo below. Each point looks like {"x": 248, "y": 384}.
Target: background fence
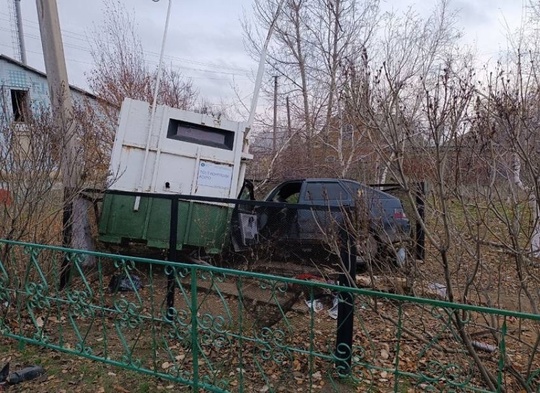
{"x": 240, "y": 331}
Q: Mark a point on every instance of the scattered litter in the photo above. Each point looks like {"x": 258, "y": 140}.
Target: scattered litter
{"x": 26, "y": 374}
{"x": 124, "y": 283}
{"x": 438, "y": 289}
{"x": 333, "y": 312}
{"x": 401, "y": 257}
{"x": 320, "y": 297}
{"x": 4, "y": 373}
{"x": 309, "y": 277}
{"x": 484, "y": 346}
{"x": 315, "y": 305}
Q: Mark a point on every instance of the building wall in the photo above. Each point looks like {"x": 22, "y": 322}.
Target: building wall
{"x": 95, "y": 119}
{"x": 17, "y": 77}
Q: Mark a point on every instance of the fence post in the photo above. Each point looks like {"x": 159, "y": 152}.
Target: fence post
{"x": 67, "y": 232}
{"x": 420, "y": 236}
{"x": 345, "y": 320}
{"x": 194, "y": 330}
{"x": 173, "y": 235}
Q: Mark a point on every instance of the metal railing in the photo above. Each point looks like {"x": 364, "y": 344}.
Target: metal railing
{"x": 242, "y": 331}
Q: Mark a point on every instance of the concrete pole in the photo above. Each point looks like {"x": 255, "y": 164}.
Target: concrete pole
{"x": 20, "y": 30}
{"x": 62, "y": 107}
{"x": 62, "y": 110}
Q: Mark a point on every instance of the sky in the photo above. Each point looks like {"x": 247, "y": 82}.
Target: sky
{"x": 203, "y": 42}
{"x": 205, "y": 38}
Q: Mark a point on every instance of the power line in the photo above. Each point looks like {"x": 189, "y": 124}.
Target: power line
{"x": 83, "y": 37}
{"x": 192, "y": 69}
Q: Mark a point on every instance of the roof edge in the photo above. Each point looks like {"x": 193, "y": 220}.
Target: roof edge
{"x": 43, "y": 74}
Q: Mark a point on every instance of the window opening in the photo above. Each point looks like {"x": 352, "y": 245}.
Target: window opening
{"x": 19, "y": 104}
{"x": 200, "y": 134}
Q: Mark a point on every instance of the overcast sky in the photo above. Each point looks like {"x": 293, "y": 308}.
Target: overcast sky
{"x": 205, "y": 36}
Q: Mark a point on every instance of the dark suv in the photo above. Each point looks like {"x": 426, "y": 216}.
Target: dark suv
{"x": 313, "y": 210}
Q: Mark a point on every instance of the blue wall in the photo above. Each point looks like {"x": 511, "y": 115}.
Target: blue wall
{"x": 13, "y": 76}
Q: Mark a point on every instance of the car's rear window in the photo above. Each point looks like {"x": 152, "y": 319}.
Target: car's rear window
{"x": 379, "y": 204}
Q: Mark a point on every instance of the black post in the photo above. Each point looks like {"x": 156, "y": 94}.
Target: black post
{"x": 173, "y": 234}
{"x": 345, "y": 320}
{"x": 67, "y": 235}
{"x": 420, "y": 235}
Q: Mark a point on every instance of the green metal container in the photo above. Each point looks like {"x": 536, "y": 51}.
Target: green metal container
{"x": 200, "y": 225}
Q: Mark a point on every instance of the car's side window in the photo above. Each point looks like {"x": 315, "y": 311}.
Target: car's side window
{"x": 293, "y": 198}
{"x": 289, "y": 193}
{"x": 326, "y": 191}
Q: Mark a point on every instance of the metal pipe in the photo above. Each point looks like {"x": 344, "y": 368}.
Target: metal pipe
{"x": 172, "y": 257}
{"x": 154, "y": 104}
{"x": 274, "y": 136}
{"x": 22, "y": 47}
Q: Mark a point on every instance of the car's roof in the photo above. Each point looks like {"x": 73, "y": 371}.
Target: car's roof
{"x": 335, "y": 179}
{"x": 320, "y": 179}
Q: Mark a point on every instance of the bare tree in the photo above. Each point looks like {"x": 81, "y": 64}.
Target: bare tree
{"x": 313, "y": 41}
{"x": 475, "y": 141}
{"x": 121, "y": 69}
{"x": 414, "y": 97}
{"x": 386, "y": 89}
{"x": 30, "y": 154}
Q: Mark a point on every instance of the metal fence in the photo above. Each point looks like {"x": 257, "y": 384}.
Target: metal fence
{"x": 240, "y": 331}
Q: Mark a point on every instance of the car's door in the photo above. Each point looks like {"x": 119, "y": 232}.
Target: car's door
{"x": 327, "y": 199}
{"x": 278, "y": 221}
{"x": 244, "y": 227}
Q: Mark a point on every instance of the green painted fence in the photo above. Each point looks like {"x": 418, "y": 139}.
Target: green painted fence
{"x": 245, "y": 332}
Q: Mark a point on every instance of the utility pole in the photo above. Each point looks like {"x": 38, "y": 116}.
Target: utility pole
{"x": 20, "y": 33}
{"x": 62, "y": 110}
{"x": 275, "y": 114}
{"x": 289, "y": 130}
{"x": 260, "y": 73}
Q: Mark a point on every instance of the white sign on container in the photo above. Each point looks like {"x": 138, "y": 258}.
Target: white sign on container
{"x": 214, "y": 175}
